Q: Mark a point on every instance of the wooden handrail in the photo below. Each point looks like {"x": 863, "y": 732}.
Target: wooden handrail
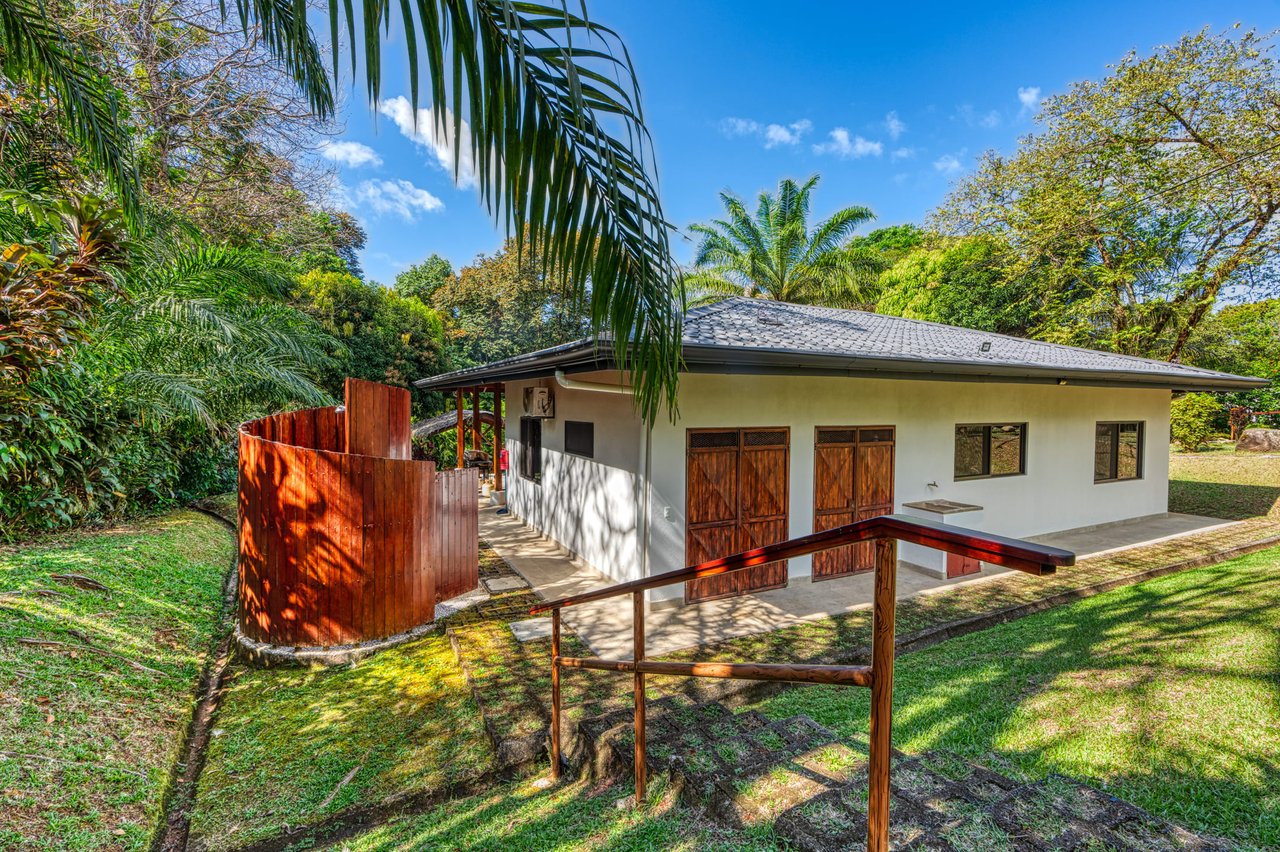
{"x": 886, "y": 531}
{"x": 1012, "y": 553}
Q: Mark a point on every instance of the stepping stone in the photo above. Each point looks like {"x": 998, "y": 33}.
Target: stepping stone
{"x": 453, "y": 606}
{"x": 531, "y": 629}
{"x": 505, "y": 584}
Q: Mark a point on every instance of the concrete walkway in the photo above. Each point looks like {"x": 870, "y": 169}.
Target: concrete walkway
{"x": 606, "y": 625}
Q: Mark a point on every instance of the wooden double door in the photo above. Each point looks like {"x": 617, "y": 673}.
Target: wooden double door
{"x": 735, "y": 500}
{"x": 852, "y": 481}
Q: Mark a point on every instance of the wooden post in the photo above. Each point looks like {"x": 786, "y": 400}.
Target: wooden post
{"x": 497, "y": 439}
{"x": 476, "y": 443}
{"x": 637, "y": 630}
{"x": 882, "y": 648}
{"x": 555, "y": 694}
{"x": 458, "y": 399}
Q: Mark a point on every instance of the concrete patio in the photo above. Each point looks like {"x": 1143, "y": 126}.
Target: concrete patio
{"x": 606, "y": 625}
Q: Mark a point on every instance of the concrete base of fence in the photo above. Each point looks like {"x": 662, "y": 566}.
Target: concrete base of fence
{"x": 264, "y": 655}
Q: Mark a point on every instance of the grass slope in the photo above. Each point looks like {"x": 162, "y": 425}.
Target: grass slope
{"x": 87, "y": 739}
{"x": 293, "y": 746}
{"x": 520, "y": 816}
{"x": 1165, "y": 693}
{"x": 1224, "y": 485}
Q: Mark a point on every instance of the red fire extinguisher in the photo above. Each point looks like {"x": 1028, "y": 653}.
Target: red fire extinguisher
{"x": 502, "y": 459}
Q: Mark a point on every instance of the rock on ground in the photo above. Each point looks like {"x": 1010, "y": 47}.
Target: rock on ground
{"x": 1260, "y": 441}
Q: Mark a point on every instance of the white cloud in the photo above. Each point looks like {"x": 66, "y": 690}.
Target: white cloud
{"x": 777, "y": 134}
{"x": 948, "y": 164}
{"x": 350, "y": 154}
{"x": 435, "y": 138}
{"x": 894, "y": 125}
{"x": 902, "y": 153}
{"x": 970, "y": 116}
{"x": 772, "y": 135}
{"x": 1029, "y": 97}
{"x": 396, "y": 196}
{"x": 739, "y": 127}
{"x": 844, "y": 147}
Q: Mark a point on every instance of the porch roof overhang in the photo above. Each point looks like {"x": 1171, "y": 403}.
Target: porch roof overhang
{"x": 588, "y": 355}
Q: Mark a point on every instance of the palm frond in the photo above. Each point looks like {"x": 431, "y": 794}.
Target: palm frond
{"x": 561, "y": 150}
{"x": 34, "y": 49}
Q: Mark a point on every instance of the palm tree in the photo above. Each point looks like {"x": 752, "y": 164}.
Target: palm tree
{"x": 547, "y": 105}
{"x": 545, "y": 102}
{"x": 773, "y": 254}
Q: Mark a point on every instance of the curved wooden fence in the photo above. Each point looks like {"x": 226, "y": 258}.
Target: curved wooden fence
{"x": 338, "y": 547}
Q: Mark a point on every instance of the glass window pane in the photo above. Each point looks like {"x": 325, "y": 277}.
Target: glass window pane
{"x": 1006, "y": 449}
{"x": 1129, "y": 452}
{"x": 1103, "y": 451}
{"x": 970, "y": 441}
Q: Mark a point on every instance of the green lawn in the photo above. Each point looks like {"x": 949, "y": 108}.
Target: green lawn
{"x": 1224, "y": 485}
{"x": 90, "y": 728}
{"x": 1166, "y": 693}
{"x": 293, "y": 746}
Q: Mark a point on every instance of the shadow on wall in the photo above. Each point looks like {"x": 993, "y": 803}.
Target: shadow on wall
{"x": 590, "y": 508}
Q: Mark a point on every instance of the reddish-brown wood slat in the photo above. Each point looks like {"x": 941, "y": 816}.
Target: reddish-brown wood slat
{"x": 338, "y": 547}
{"x": 852, "y": 481}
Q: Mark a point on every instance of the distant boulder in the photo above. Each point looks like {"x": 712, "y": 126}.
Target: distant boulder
{"x": 1259, "y": 441}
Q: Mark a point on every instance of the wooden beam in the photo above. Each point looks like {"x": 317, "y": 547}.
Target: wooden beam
{"x": 461, "y": 434}
{"x": 882, "y": 648}
{"x": 476, "y": 443}
{"x": 637, "y": 639}
{"x": 498, "y": 440}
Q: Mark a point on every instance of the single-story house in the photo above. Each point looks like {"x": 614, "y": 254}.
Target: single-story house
{"x": 794, "y": 419}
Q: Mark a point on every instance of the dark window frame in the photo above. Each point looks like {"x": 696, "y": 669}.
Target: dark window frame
{"x": 986, "y": 451}
{"x": 1114, "y": 467}
{"x": 531, "y": 449}
{"x": 582, "y": 444}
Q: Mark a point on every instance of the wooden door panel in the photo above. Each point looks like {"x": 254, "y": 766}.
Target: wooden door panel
{"x": 837, "y": 561}
{"x": 713, "y": 486}
{"x": 832, "y": 477}
{"x": 875, "y": 475}
{"x": 736, "y": 500}
{"x": 764, "y": 483}
{"x": 853, "y": 481}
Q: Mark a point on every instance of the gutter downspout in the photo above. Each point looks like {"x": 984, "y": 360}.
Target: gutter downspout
{"x": 598, "y": 387}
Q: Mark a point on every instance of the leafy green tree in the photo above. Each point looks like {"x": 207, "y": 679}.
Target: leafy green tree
{"x": 373, "y": 333}
{"x": 958, "y": 282}
{"x": 1144, "y": 196}
{"x": 893, "y": 242}
{"x": 774, "y": 254}
{"x": 508, "y": 303}
{"x": 422, "y": 280}
{"x": 1243, "y": 339}
{"x": 1191, "y": 420}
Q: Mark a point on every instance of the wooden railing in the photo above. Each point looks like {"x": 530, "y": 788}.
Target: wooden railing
{"x": 886, "y": 532}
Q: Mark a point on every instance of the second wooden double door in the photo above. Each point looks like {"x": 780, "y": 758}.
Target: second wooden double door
{"x": 852, "y": 481}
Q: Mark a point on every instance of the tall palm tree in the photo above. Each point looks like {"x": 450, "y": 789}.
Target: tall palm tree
{"x": 773, "y": 253}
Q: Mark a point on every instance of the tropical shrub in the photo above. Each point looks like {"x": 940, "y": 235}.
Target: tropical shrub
{"x": 1191, "y": 420}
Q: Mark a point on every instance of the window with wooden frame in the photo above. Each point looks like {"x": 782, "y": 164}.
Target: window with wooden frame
{"x": 580, "y": 438}
{"x": 1117, "y": 451}
{"x": 986, "y": 450}
{"x": 531, "y": 449}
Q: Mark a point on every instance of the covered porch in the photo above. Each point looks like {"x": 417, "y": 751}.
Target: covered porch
{"x": 671, "y": 626}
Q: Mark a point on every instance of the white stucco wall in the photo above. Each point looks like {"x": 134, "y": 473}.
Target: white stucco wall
{"x": 592, "y": 507}
{"x": 1056, "y": 493}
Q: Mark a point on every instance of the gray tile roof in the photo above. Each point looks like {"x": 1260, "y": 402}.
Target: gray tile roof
{"x": 758, "y": 335}
{"x": 780, "y": 326}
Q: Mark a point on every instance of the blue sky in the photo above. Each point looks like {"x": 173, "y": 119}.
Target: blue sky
{"x": 890, "y": 103}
